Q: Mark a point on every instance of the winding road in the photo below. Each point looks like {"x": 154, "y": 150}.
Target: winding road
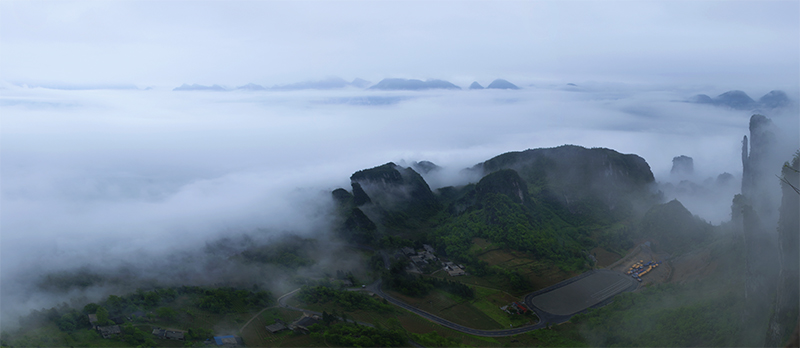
{"x": 545, "y": 318}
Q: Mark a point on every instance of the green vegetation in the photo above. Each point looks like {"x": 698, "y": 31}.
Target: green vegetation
{"x": 527, "y": 224}
{"x": 349, "y": 300}
{"x": 433, "y": 339}
{"x": 408, "y": 284}
{"x": 553, "y": 337}
{"x": 504, "y": 213}
{"x": 346, "y": 335}
{"x": 185, "y": 307}
{"x": 136, "y": 337}
{"x": 229, "y": 300}
{"x": 665, "y": 316}
{"x": 675, "y": 227}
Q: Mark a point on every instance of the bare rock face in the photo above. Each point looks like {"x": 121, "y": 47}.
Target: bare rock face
{"x": 682, "y": 166}
{"x": 396, "y": 190}
{"x": 755, "y": 214}
{"x": 756, "y": 164}
{"x": 786, "y": 308}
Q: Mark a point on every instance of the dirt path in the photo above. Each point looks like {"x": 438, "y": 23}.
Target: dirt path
{"x": 278, "y": 303}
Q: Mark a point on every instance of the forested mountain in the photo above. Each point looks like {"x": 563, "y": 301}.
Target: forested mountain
{"x": 554, "y": 204}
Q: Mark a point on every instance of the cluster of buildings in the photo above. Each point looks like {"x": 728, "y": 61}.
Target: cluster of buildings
{"x": 170, "y": 334}
{"x": 428, "y": 255}
{"x": 109, "y": 331}
{"x": 454, "y": 270}
{"x": 424, "y": 256}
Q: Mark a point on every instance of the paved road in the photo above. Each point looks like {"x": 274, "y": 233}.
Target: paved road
{"x": 544, "y": 317}
{"x": 376, "y": 289}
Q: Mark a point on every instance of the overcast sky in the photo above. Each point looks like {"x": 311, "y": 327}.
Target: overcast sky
{"x": 269, "y": 42}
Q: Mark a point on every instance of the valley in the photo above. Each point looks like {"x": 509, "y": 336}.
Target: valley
{"x": 503, "y": 262}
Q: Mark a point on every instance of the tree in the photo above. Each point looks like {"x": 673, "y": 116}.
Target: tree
{"x": 102, "y": 315}
{"x": 166, "y": 313}
{"x": 90, "y": 308}
{"x": 151, "y": 299}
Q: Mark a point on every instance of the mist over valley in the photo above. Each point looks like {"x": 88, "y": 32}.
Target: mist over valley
{"x": 399, "y": 174}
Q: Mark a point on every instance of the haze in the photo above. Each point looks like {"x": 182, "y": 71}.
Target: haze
{"x": 97, "y": 175}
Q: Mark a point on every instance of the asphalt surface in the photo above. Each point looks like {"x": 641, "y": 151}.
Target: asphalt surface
{"x": 583, "y": 293}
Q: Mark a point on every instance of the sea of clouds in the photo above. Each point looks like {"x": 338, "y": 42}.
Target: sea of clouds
{"x": 107, "y": 177}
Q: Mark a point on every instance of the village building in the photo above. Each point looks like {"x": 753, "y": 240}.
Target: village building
{"x": 164, "y": 334}
{"x": 454, "y": 272}
{"x": 428, "y": 256}
{"x": 277, "y": 327}
{"x": 108, "y": 331}
{"x": 93, "y": 320}
{"x": 429, "y": 248}
{"x": 175, "y": 335}
{"x": 304, "y": 322}
{"x": 408, "y": 251}
{"x": 159, "y": 333}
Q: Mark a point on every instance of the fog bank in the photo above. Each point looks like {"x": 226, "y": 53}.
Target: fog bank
{"x": 112, "y": 178}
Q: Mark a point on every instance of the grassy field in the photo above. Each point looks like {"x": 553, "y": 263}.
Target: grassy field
{"x": 50, "y": 336}
{"x": 539, "y": 274}
{"x": 256, "y": 334}
{"x": 452, "y": 308}
{"x": 489, "y": 302}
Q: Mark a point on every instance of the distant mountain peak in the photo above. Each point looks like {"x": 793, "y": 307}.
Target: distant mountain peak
{"x": 739, "y": 100}
{"x": 774, "y": 99}
{"x": 475, "y": 85}
{"x": 736, "y": 99}
{"x": 413, "y": 84}
{"x": 502, "y": 84}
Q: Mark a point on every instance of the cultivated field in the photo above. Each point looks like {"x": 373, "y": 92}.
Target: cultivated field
{"x": 539, "y": 274}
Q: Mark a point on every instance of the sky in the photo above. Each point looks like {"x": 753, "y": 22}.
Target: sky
{"x": 167, "y": 43}
{"x": 93, "y": 175}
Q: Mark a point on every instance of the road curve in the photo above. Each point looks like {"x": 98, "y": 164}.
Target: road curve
{"x": 376, "y": 289}
{"x": 545, "y": 318}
